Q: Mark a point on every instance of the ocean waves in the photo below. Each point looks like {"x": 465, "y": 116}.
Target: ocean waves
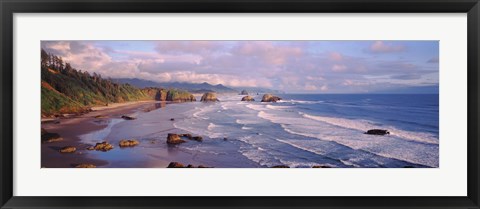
{"x": 286, "y": 133}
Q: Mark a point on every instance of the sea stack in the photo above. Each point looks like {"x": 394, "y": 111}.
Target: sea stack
{"x": 244, "y": 92}
{"x": 209, "y": 97}
{"x": 248, "y": 99}
{"x": 270, "y": 98}
{"x": 175, "y": 95}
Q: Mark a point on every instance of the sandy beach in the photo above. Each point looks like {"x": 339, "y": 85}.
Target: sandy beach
{"x": 151, "y": 127}
{"x": 70, "y": 128}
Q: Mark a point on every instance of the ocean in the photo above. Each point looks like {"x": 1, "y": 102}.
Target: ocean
{"x": 305, "y": 130}
{"x": 300, "y": 131}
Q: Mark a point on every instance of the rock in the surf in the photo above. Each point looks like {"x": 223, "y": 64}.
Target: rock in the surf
{"x": 321, "y": 166}
{"x": 209, "y": 97}
{"x": 280, "y": 166}
{"x": 244, "y": 92}
{"x": 377, "y": 132}
{"x": 197, "y": 138}
{"x": 248, "y": 99}
{"x": 270, "y": 98}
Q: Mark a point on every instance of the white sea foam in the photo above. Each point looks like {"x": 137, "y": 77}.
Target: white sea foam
{"x": 292, "y": 101}
{"x": 256, "y": 107}
{"x": 277, "y": 107}
{"x": 350, "y": 133}
{"x": 363, "y": 125}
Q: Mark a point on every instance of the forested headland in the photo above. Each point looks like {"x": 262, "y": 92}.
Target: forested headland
{"x": 69, "y": 90}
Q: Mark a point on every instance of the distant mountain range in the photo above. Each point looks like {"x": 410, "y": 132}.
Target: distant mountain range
{"x": 191, "y": 87}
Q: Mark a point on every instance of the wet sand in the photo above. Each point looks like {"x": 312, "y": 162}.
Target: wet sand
{"x": 151, "y": 127}
{"x": 70, "y": 128}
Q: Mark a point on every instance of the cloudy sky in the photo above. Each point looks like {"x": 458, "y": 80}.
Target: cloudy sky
{"x": 291, "y": 66}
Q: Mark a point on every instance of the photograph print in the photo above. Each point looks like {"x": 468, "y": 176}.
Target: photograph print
{"x": 240, "y": 104}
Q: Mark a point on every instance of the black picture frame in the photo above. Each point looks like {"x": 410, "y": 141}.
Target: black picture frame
{"x": 10, "y": 7}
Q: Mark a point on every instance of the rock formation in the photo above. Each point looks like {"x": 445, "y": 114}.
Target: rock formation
{"x": 84, "y": 165}
{"x": 321, "y": 166}
{"x": 174, "y": 139}
{"x": 179, "y": 165}
{"x": 248, "y": 99}
{"x": 209, "y": 97}
{"x": 129, "y": 143}
{"x": 175, "y": 95}
{"x": 68, "y": 149}
{"x": 270, "y": 98}
{"x": 126, "y": 117}
{"x": 377, "y": 132}
{"x": 244, "y": 92}
{"x": 175, "y": 165}
{"x": 102, "y": 146}
{"x": 280, "y": 166}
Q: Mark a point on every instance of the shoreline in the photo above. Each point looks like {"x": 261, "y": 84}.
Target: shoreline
{"x": 70, "y": 128}
{"x": 229, "y": 138}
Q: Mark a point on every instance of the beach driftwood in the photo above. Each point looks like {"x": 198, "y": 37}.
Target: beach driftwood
{"x": 377, "y": 132}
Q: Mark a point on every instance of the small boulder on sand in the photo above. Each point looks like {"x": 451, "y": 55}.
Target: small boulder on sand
{"x": 248, "y": 99}
{"x": 129, "y": 143}
{"x": 174, "y": 139}
{"x": 102, "y": 146}
{"x": 175, "y": 165}
{"x": 270, "y": 98}
{"x": 179, "y": 165}
{"x": 68, "y": 149}
{"x": 84, "y": 165}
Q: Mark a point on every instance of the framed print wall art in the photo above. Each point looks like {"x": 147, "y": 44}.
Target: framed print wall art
{"x": 264, "y": 104}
